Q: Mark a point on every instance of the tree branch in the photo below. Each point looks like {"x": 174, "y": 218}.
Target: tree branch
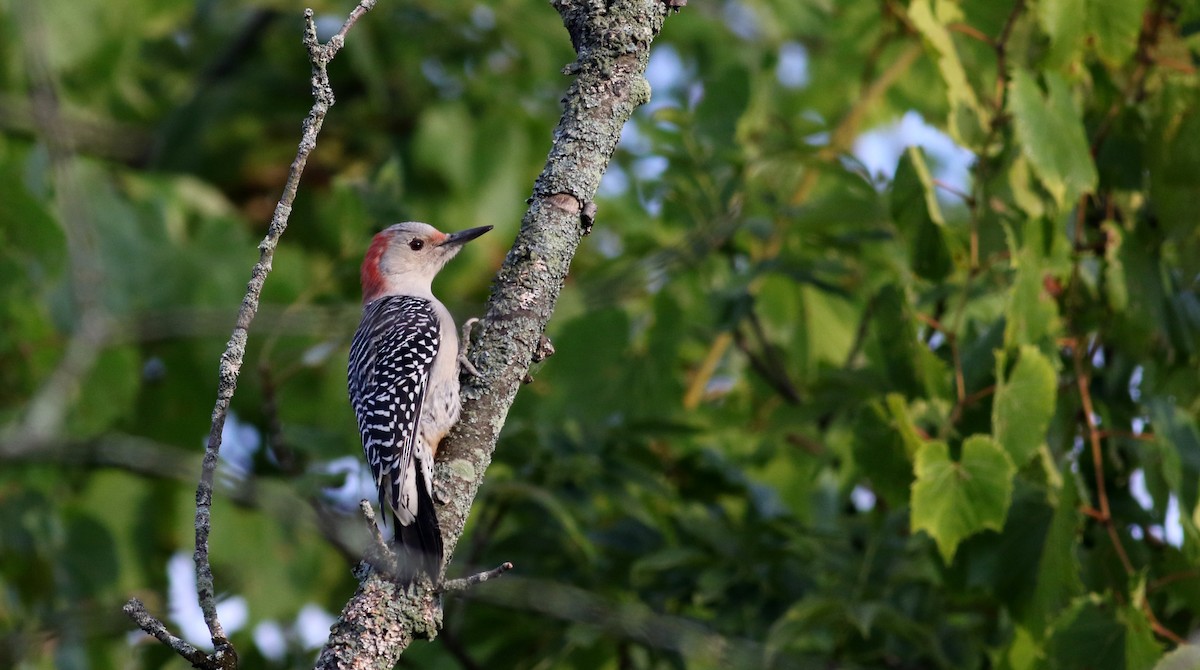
{"x": 137, "y": 611}
{"x": 613, "y": 46}
{"x": 224, "y": 655}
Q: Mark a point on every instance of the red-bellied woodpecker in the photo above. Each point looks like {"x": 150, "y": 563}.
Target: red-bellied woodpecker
{"x": 403, "y": 378}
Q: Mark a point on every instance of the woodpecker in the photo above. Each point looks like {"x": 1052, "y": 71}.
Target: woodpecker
{"x": 403, "y": 379}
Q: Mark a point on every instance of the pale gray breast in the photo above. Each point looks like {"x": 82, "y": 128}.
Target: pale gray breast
{"x": 440, "y": 409}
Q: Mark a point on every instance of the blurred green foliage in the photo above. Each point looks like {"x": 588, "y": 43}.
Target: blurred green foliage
{"x": 804, "y": 412}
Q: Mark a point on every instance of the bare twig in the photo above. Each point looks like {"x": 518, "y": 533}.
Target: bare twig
{"x": 1156, "y": 625}
{"x": 378, "y": 554}
{"x": 1083, "y": 380}
{"x": 970, "y": 31}
{"x": 231, "y": 361}
{"x": 1001, "y": 47}
{"x": 1167, "y": 580}
{"x": 766, "y": 361}
{"x": 137, "y": 611}
{"x": 695, "y": 391}
{"x": 1103, "y": 515}
{"x": 1143, "y": 59}
{"x": 368, "y": 513}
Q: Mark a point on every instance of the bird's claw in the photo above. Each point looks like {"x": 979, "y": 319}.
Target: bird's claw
{"x": 465, "y": 364}
{"x": 465, "y": 342}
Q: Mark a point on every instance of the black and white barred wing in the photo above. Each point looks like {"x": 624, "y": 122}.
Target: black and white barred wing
{"x": 390, "y": 363}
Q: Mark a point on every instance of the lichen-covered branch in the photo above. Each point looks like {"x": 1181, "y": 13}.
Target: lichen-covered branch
{"x": 613, "y": 44}
{"x": 135, "y": 610}
{"x": 224, "y": 655}
{"x": 612, "y": 41}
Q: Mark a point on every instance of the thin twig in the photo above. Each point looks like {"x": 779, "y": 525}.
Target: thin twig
{"x": 368, "y": 513}
{"x": 465, "y": 583}
{"x": 1156, "y": 626}
{"x": 1001, "y": 46}
{"x": 1167, "y": 580}
{"x": 953, "y": 190}
{"x": 231, "y": 360}
{"x": 1105, "y": 515}
{"x": 1135, "y": 90}
{"x": 708, "y": 367}
{"x": 970, "y": 31}
{"x": 379, "y": 555}
{"x": 1142, "y": 437}
{"x": 136, "y": 610}
{"x": 983, "y": 165}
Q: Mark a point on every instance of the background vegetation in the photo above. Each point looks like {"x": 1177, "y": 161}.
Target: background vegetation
{"x": 821, "y": 399}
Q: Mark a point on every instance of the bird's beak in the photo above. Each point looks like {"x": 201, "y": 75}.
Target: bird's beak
{"x": 463, "y": 236}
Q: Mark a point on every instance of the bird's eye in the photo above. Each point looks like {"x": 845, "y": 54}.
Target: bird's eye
{"x": 416, "y": 245}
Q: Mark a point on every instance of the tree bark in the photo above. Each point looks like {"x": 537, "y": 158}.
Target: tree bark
{"x": 612, "y": 40}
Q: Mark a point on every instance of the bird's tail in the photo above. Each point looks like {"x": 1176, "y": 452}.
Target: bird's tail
{"x": 419, "y": 544}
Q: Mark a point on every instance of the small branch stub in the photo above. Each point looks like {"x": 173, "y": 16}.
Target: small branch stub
{"x": 545, "y": 349}
{"x": 380, "y": 557}
{"x": 455, "y": 585}
{"x": 588, "y": 217}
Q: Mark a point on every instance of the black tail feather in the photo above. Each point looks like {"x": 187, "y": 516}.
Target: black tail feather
{"x": 419, "y": 544}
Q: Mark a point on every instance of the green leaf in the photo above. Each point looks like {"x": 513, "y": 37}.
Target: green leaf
{"x": 1087, "y": 636}
{"x": 1023, "y": 653}
{"x": 1115, "y": 25}
{"x": 830, "y": 322}
{"x": 1095, "y": 633}
{"x": 910, "y": 366}
{"x": 953, "y": 500}
{"x": 1060, "y": 20}
{"x": 1051, "y": 135}
{"x": 1024, "y": 403}
{"x": 880, "y": 452}
{"x": 912, "y": 440}
{"x": 1142, "y": 651}
{"x": 1058, "y": 570}
{"x": 1032, "y": 314}
{"x": 1025, "y": 192}
{"x": 1176, "y": 433}
{"x": 1115, "y": 288}
{"x": 897, "y": 340}
{"x": 917, "y": 214}
{"x": 967, "y": 117}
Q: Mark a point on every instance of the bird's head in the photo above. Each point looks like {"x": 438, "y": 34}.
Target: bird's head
{"x": 404, "y": 258}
